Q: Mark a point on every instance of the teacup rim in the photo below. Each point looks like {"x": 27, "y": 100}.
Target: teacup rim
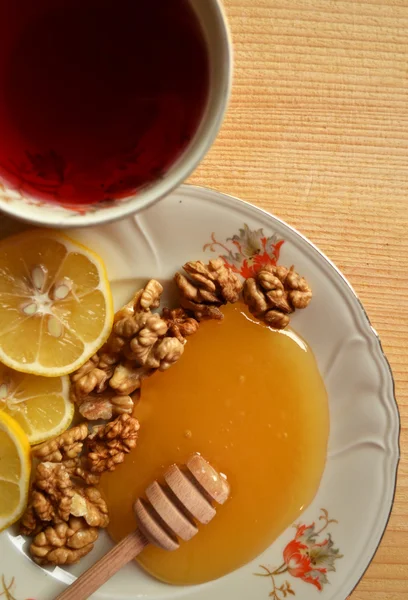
{"x": 43, "y": 213}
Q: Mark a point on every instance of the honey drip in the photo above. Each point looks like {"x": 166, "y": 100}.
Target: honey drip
{"x": 253, "y": 403}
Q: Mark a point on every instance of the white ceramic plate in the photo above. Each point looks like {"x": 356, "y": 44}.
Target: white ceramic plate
{"x": 349, "y": 514}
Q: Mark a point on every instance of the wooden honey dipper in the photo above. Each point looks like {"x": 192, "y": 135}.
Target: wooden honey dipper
{"x": 166, "y": 516}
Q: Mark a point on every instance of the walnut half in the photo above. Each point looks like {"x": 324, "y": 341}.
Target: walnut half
{"x": 88, "y": 503}
{"x": 206, "y": 287}
{"x": 108, "y": 444}
{"x": 274, "y": 293}
{"x": 140, "y": 343}
{"x": 180, "y": 324}
{"x": 52, "y": 492}
{"x": 66, "y": 446}
{"x": 63, "y": 544}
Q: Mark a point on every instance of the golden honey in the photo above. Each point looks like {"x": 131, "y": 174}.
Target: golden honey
{"x": 252, "y": 402}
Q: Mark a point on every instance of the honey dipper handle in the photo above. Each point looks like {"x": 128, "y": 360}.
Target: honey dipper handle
{"x": 105, "y": 568}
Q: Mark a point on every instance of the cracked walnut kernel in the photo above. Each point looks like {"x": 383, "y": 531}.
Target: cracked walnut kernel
{"x": 88, "y": 503}
{"x": 77, "y": 468}
{"x": 108, "y": 444}
{"x": 50, "y": 499}
{"x": 64, "y": 543}
{"x": 148, "y": 330}
{"x": 30, "y": 523}
{"x": 140, "y": 343}
{"x": 90, "y": 377}
{"x": 180, "y": 324}
{"x": 167, "y": 352}
{"x": 143, "y": 300}
{"x": 106, "y": 405}
{"x": 206, "y": 287}
{"x": 53, "y": 491}
{"x": 128, "y": 377}
{"x": 105, "y": 385}
{"x": 67, "y": 445}
{"x": 274, "y": 293}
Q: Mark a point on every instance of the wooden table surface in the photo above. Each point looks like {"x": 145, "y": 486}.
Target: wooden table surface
{"x": 317, "y": 133}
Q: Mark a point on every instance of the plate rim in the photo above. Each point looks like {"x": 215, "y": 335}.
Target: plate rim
{"x": 375, "y": 350}
{"x": 184, "y": 189}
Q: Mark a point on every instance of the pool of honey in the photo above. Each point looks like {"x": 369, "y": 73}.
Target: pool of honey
{"x": 253, "y": 403}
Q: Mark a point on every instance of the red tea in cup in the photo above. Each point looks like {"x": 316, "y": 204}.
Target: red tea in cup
{"x": 98, "y": 98}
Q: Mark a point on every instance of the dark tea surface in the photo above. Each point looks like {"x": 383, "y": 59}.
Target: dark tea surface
{"x": 97, "y": 97}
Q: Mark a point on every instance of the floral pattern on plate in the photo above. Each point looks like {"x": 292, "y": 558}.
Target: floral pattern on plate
{"x": 307, "y": 556}
{"x": 248, "y": 251}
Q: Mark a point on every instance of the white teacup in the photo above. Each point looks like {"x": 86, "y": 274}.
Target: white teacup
{"x": 19, "y": 204}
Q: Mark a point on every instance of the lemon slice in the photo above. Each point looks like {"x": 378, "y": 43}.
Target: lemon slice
{"x": 41, "y": 405}
{"x": 55, "y": 303}
{"x": 15, "y": 468}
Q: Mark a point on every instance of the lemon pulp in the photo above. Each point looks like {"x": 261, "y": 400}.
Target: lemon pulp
{"x": 55, "y": 303}
{"x": 41, "y": 405}
{"x": 14, "y": 470}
